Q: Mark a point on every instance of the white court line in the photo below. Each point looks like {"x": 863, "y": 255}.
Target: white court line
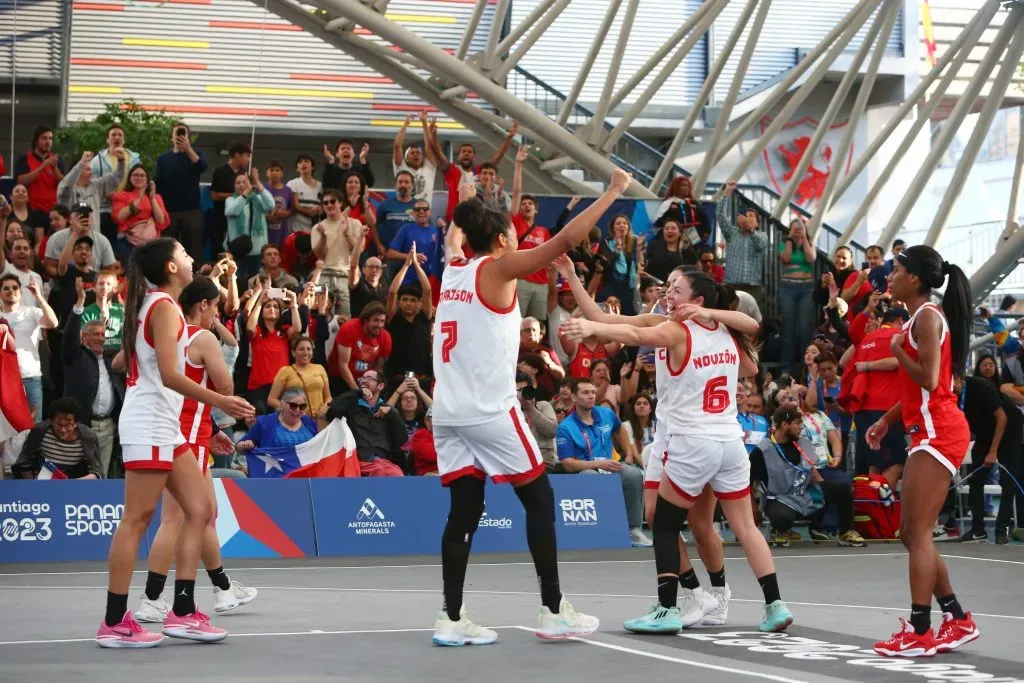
{"x": 982, "y": 559}
{"x": 477, "y": 564}
{"x": 680, "y": 660}
{"x": 312, "y": 632}
{"x": 630, "y": 596}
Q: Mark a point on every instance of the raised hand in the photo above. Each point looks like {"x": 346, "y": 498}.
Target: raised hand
{"x": 563, "y": 264}
{"x": 522, "y": 155}
{"x": 576, "y": 329}
{"x": 620, "y": 181}
{"x": 364, "y": 152}
{"x": 466, "y": 191}
{"x": 328, "y": 155}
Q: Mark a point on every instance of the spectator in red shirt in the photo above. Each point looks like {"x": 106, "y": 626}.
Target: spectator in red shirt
{"x": 464, "y": 170}
{"x": 709, "y": 265}
{"x": 533, "y": 289}
{"x": 40, "y": 170}
{"x": 424, "y": 456}
{"x": 530, "y": 343}
{"x": 269, "y": 339}
{"x": 857, "y": 287}
{"x": 362, "y": 344}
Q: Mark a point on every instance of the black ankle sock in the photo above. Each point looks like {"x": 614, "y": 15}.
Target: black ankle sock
{"x": 219, "y": 578}
{"x": 155, "y": 585}
{"x": 920, "y": 618}
{"x": 668, "y": 591}
{"x": 117, "y": 605}
{"x": 689, "y": 580}
{"x": 550, "y": 594}
{"x": 717, "y": 578}
{"x": 770, "y": 587}
{"x": 184, "y": 597}
{"x": 952, "y": 605}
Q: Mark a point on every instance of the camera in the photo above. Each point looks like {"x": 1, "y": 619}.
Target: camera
{"x": 410, "y": 375}
{"x": 528, "y": 393}
{"x": 180, "y": 132}
{"x": 82, "y": 209}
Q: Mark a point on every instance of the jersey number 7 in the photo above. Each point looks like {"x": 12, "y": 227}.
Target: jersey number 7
{"x": 716, "y": 396}
{"x": 450, "y": 330}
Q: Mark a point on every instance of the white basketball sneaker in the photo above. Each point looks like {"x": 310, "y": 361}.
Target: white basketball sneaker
{"x": 720, "y": 614}
{"x": 235, "y": 596}
{"x": 448, "y": 633}
{"x": 694, "y": 605}
{"x": 152, "y": 611}
{"x": 568, "y": 623}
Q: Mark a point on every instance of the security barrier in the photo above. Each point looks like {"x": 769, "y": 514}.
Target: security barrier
{"x": 65, "y": 521}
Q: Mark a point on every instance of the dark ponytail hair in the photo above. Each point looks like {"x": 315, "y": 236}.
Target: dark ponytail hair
{"x": 200, "y": 289}
{"x": 719, "y": 297}
{"x": 481, "y": 224}
{"x": 957, "y": 302}
{"x": 146, "y": 268}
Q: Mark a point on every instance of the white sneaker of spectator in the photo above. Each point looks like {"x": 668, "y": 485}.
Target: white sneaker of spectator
{"x": 234, "y": 597}
{"x": 568, "y": 623}
{"x": 152, "y": 611}
{"x": 462, "y": 632}
{"x": 720, "y": 614}
{"x": 638, "y": 539}
{"x": 694, "y": 605}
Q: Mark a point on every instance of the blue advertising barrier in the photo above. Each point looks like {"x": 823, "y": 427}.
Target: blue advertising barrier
{"x": 407, "y": 516}
{"x": 66, "y": 521}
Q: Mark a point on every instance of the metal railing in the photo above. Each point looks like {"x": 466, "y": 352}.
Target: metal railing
{"x": 642, "y": 160}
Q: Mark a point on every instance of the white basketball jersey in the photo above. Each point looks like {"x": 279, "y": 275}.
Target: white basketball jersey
{"x": 152, "y": 412}
{"x": 699, "y": 398}
{"x": 475, "y": 351}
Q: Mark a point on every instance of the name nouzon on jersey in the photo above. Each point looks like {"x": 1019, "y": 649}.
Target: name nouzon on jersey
{"x": 721, "y": 358}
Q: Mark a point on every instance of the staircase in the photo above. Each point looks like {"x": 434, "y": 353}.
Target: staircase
{"x": 636, "y": 156}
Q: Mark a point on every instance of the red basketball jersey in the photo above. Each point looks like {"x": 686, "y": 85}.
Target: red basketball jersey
{"x": 580, "y": 364}
{"x": 196, "y": 426}
{"x": 929, "y": 414}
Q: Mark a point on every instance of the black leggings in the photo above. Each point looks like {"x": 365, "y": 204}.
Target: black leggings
{"x": 838, "y": 493}
{"x": 1009, "y": 493}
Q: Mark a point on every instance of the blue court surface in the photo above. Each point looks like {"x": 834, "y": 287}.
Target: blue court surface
{"x": 371, "y": 619}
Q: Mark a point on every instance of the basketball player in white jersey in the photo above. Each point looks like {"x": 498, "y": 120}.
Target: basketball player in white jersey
{"x": 698, "y": 606}
{"x": 153, "y": 449}
{"x": 701, "y": 354}
{"x": 204, "y": 364}
{"x": 479, "y": 429}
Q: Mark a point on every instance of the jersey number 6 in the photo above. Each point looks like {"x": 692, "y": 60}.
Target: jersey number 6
{"x": 716, "y": 396}
{"x": 450, "y": 330}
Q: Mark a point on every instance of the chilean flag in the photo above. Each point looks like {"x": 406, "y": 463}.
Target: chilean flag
{"x": 50, "y": 471}
{"x": 15, "y": 415}
{"x": 331, "y": 453}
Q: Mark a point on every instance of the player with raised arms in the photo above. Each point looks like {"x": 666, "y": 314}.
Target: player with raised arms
{"x": 153, "y": 449}
{"x": 706, "y": 608}
{"x": 204, "y": 365}
{"x": 479, "y": 429}
{"x": 931, "y": 351}
{"x": 702, "y": 352}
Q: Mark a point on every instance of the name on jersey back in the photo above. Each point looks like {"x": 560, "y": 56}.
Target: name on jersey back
{"x": 457, "y": 295}
{"x": 721, "y": 358}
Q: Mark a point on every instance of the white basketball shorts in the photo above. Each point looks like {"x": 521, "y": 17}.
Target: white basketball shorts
{"x": 694, "y": 463}
{"x": 655, "y": 464}
{"x": 503, "y": 449}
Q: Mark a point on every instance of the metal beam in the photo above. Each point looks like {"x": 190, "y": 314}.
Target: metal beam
{"x": 588, "y": 62}
{"x": 981, "y": 22}
{"x": 1004, "y": 261}
{"x": 1011, "y": 210}
{"x": 519, "y": 31}
{"x": 491, "y": 53}
{"x": 852, "y": 26}
{"x": 470, "y": 32}
{"x": 964, "y": 42}
{"x": 667, "y": 70}
{"x": 659, "y": 54}
{"x": 859, "y": 105}
{"x": 603, "y": 107}
{"x": 441, "y": 62}
{"x": 701, "y": 176}
{"x": 949, "y": 129}
{"x": 831, "y": 112}
{"x": 1011, "y": 62}
{"x": 857, "y": 15}
{"x": 532, "y": 37}
{"x": 411, "y": 82}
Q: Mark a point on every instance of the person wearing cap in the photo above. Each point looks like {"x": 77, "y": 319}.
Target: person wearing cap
{"x": 870, "y": 389}
{"x": 75, "y": 263}
{"x": 783, "y": 465}
{"x": 561, "y": 307}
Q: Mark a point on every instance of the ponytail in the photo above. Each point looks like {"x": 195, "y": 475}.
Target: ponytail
{"x": 957, "y": 304}
{"x": 720, "y": 297}
{"x": 147, "y": 268}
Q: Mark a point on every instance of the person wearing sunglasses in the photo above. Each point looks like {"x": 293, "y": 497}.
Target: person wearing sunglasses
{"x": 709, "y": 265}
{"x": 291, "y": 426}
{"x": 334, "y": 239}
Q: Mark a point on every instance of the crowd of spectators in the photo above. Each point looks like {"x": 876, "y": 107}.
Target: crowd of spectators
{"x": 327, "y": 305}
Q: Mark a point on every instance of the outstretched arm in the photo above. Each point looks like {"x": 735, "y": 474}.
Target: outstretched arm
{"x": 590, "y": 309}
{"x": 667, "y": 334}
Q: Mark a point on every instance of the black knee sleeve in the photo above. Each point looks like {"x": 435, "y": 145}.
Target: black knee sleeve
{"x": 538, "y": 501}
{"x": 467, "y": 505}
{"x": 668, "y": 519}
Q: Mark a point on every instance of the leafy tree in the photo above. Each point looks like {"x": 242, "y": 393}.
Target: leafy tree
{"x": 146, "y": 132}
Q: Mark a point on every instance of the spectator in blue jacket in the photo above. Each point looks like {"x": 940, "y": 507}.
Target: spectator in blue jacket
{"x": 586, "y": 442}
{"x": 754, "y": 425}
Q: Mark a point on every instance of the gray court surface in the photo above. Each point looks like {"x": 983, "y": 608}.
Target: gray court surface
{"x": 370, "y": 619}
